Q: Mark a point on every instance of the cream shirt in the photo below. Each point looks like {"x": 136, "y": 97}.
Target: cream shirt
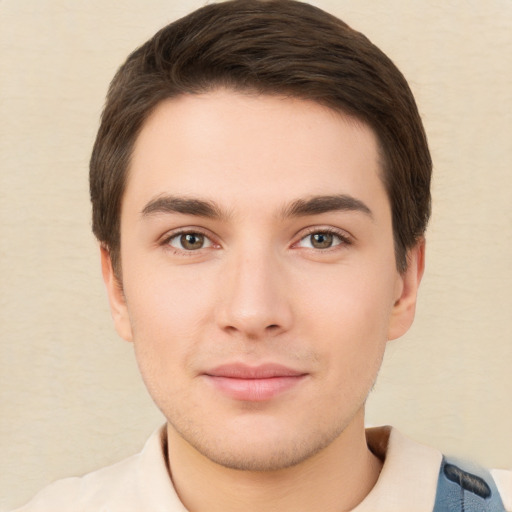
{"x": 141, "y": 483}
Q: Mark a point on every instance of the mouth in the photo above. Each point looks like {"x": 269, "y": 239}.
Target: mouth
{"x": 253, "y": 383}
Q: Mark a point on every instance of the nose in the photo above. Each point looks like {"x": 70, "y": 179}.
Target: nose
{"x": 254, "y": 301}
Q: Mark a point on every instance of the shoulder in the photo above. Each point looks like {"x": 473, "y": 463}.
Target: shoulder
{"x": 110, "y": 485}
{"x": 418, "y": 477}
{"x": 86, "y": 491}
{"x": 125, "y": 486}
{"x": 503, "y": 479}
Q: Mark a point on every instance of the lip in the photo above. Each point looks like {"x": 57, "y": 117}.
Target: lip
{"x": 253, "y": 383}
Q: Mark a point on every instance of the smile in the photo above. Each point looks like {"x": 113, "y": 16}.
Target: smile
{"x": 253, "y": 383}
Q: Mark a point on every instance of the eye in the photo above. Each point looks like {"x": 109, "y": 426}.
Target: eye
{"x": 190, "y": 241}
{"x": 322, "y": 240}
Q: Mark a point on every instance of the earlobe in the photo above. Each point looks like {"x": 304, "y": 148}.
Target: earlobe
{"x": 407, "y": 291}
{"x": 116, "y": 298}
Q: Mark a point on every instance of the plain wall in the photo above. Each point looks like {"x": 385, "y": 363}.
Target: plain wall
{"x": 70, "y": 395}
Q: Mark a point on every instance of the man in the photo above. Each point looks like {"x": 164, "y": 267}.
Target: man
{"x": 260, "y": 189}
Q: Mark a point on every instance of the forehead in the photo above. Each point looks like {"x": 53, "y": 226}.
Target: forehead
{"x": 236, "y": 147}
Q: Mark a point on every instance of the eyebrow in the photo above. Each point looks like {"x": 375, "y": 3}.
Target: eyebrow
{"x": 315, "y": 205}
{"x": 184, "y": 205}
{"x": 323, "y": 204}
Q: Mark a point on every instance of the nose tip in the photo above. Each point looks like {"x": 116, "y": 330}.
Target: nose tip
{"x": 254, "y": 301}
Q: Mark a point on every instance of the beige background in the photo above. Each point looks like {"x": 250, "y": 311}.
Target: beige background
{"x": 70, "y": 396}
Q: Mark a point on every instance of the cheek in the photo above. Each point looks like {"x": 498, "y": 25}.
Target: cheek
{"x": 167, "y": 317}
{"x": 350, "y": 313}
{"x": 168, "y": 312}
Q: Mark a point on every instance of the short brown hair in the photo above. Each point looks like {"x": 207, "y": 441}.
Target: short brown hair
{"x": 279, "y": 47}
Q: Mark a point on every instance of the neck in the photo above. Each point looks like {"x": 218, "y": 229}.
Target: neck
{"x": 336, "y": 479}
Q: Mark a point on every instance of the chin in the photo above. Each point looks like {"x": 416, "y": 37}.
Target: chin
{"x": 268, "y": 459}
{"x": 260, "y": 451}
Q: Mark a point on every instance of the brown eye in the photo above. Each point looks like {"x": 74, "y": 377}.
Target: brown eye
{"x": 192, "y": 241}
{"x": 321, "y": 240}
{"x": 189, "y": 241}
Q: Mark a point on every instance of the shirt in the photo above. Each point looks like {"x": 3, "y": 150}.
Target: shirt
{"x": 407, "y": 482}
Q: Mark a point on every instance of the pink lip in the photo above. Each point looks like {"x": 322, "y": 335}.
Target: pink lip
{"x": 253, "y": 383}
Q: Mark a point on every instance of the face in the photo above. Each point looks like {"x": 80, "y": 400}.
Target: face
{"x": 258, "y": 271}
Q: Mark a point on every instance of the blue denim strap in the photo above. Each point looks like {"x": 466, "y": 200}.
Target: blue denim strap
{"x": 466, "y": 487}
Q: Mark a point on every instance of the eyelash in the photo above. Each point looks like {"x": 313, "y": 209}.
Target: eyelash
{"x": 344, "y": 239}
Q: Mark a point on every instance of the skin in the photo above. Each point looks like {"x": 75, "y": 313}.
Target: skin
{"x": 266, "y": 279}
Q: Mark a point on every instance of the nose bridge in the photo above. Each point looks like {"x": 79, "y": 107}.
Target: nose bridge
{"x": 254, "y": 296}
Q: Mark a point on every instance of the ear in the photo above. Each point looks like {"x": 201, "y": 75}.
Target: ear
{"x": 116, "y": 297}
{"x": 408, "y": 283}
